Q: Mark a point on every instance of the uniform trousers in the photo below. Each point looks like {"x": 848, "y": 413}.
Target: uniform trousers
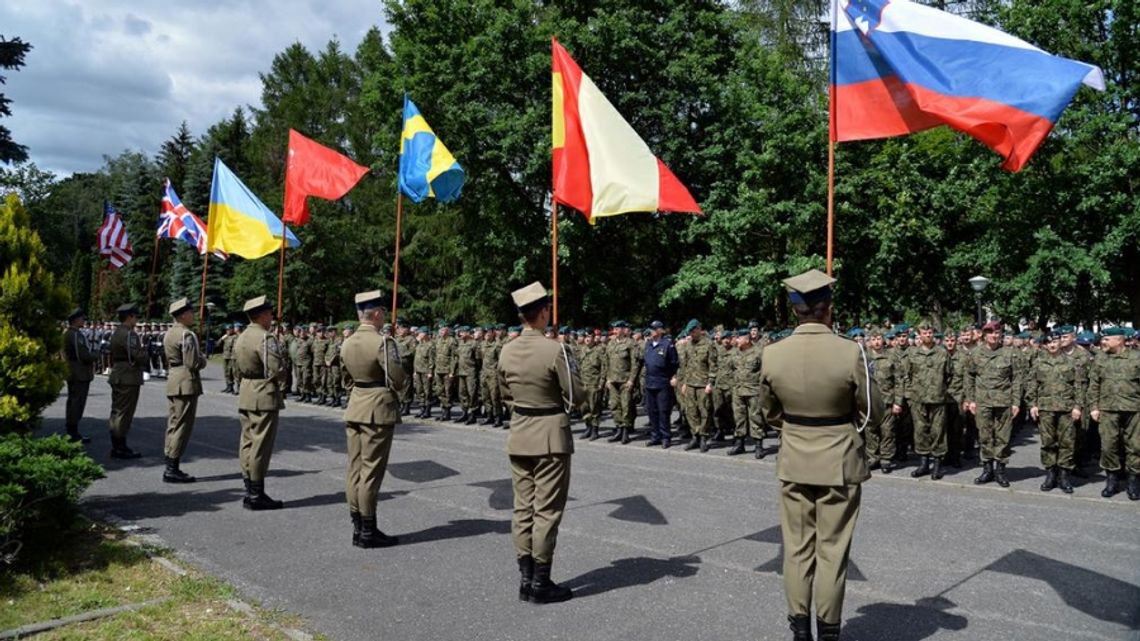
{"x": 817, "y": 524}
{"x": 541, "y": 485}
{"x": 445, "y": 389}
{"x": 659, "y": 408}
{"x": 258, "y": 432}
{"x": 929, "y": 429}
{"x": 1058, "y": 439}
{"x": 368, "y": 449}
{"x": 124, "y": 400}
{"x": 748, "y": 414}
{"x": 621, "y": 404}
{"x": 994, "y": 431}
{"x": 76, "y": 402}
{"x": 468, "y": 391}
{"x": 1120, "y": 441}
{"x": 492, "y": 396}
{"x": 423, "y": 382}
{"x": 881, "y": 438}
{"x": 700, "y": 410}
{"x": 722, "y": 409}
{"x": 179, "y": 424}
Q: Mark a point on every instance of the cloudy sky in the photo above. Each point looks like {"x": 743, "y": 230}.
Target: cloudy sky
{"x": 109, "y": 75}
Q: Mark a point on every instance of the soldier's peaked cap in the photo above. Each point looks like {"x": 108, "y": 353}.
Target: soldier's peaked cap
{"x": 179, "y": 306}
{"x": 365, "y": 300}
{"x": 532, "y": 293}
{"x": 127, "y": 309}
{"x": 76, "y": 313}
{"x": 809, "y": 288}
{"x": 657, "y": 325}
{"x": 255, "y": 305}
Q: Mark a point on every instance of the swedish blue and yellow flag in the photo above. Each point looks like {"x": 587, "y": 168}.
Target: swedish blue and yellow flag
{"x": 427, "y": 168}
{"x": 239, "y": 222}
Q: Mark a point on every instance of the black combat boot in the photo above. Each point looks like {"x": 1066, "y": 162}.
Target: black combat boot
{"x": 759, "y": 453}
{"x": 526, "y": 575}
{"x": 1050, "y": 481}
{"x": 626, "y": 435}
{"x": 987, "y": 473}
{"x": 827, "y": 631}
{"x": 489, "y": 420}
{"x": 999, "y": 474}
{"x": 1064, "y": 482}
{"x": 323, "y": 400}
{"x": 462, "y": 418}
{"x": 616, "y": 436}
{"x": 693, "y": 443}
{"x": 800, "y": 625}
{"x": 173, "y": 474}
{"x": 258, "y": 500}
{"x": 1111, "y": 486}
{"x": 355, "y": 516}
{"x": 472, "y": 418}
{"x": 543, "y": 590}
{"x": 74, "y": 436}
{"x": 737, "y": 447}
{"x": 499, "y": 422}
{"x": 873, "y": 465}
{"x": 888, "y": 466}
{"x": 588, "y": 433}
{"x": 706, "y": 443}
{"x": 1133, "y": 487}
{"x": 229, "y": 389}
{"x": 923, "y": 469}
{"x": 370, "y": 537}
{"x": 444, "y": 415}
{"x": 935, "y": 468}
{"x": 597, "y": 433}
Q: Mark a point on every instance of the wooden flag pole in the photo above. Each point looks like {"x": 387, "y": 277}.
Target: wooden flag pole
{"x": 202, "y": 296}
{"x": 150, "y": 284}
{"x": 396, "y": 262}
{"x": 554, "y": 262}
{"x": 281, "y": 273}
{"x": 832, "y": 132}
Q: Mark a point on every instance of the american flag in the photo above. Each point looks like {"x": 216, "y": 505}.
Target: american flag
{"x": 113, "y": 241}
{"x": 178, "y": 222}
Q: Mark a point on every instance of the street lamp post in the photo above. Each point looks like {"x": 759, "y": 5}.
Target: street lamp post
{"x": 979, "y": 283}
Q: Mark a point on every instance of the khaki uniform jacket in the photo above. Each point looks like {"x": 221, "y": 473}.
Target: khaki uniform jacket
{"x": 814, "y": 373}
{"x": 407, "y": 345}
{"x": 425, "y": 357}
{"x": 747, "y": 373}
{"x": 332, "y": 353}
{"x": 186, "y": 362}
{"x": 319, "y": 347}
{"x": 129, "y": 358}
{"x": 228, "y": 342}
{"x": 467, "y": 358}
{"x": 262, "y": 370}
{"x": 700, "y": 363}
{"x": 929, "y": 374}
{"x": 621, "y": 360}
{"x": 540, "y": 374}
{"x": 445, "y": 355}
{"x": 592, "y": 367}
{"x": 80, "y": 358}
{"x": 490, "y": 358}
{"x": 726, "y": 367}
{"x": 305, "y": 352}
{"x": 1055, "y": 383}
{"x": 1114, "y": 382}
{"x": 371, "y": 358}
{"x": 883, "y": 371}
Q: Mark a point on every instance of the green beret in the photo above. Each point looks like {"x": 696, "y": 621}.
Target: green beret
{"x": 692, "y": 324}
{"x": 1114, "y": 331}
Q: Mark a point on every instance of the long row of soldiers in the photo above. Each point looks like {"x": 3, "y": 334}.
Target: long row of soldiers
{"x": 948, "y": 397}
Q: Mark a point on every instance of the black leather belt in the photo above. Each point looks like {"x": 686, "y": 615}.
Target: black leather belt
{"x": 370, "y": 385}
{"x": 819, "y": 421}
{"x": 539, "y": 411}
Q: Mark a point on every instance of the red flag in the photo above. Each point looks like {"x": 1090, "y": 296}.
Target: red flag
{"x": 315, "y": 170}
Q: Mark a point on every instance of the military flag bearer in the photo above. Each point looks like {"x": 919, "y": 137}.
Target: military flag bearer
{"x": 262, "y": 371}
{"x": 81, "y": 358}
{"x": 129, "y": 360}
{"x": 183, "y": 387}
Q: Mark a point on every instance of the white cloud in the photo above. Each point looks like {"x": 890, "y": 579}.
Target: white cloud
{"x": 108, "y": 75}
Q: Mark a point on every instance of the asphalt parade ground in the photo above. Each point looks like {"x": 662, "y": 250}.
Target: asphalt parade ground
{"x": 658, "y": 545}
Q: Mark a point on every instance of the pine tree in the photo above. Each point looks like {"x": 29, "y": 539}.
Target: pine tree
{"x": 31, "y": 305}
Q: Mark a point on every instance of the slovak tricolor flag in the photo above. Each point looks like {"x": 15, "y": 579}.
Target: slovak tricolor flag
{"x": 898, "y": 67}
{"x": 177, "y": 222}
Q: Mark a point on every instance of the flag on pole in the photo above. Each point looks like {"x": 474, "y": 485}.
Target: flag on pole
{"x": 601, "y": 166}
{"x": 240, "y": 223}
{"x": 427, "y": 168}
{"x": 112, "y": 236}
{"x": 898, "y": 67}
{"x": 315, "y": 170}
{"x": 179, "y": 223}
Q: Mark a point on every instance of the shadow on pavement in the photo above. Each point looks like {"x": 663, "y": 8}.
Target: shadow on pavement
{"x": 630, "y": 572}
{"x": 146, "y": 505}
{"x": 502, "y": 493}
{"x": 458, "y": 529}
{"x": 637, "y": 509}
{"x": 903, "y": 622}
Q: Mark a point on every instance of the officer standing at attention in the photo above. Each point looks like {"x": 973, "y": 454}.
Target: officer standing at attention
{"x": 378, "y": 380}
{"x": 262, "y": 374}
{"x": 661, "y": 365}
{"x": 540, "y": 383}
{"x": 80, "y": 363}
{"x": 228, "y": 342}
{"x": 815, "y": 388}
{"x": 183, "y": 387}
{"x": 129, "y": 360}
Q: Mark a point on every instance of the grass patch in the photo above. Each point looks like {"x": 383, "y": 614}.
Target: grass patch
{"x": 100, "y": 569}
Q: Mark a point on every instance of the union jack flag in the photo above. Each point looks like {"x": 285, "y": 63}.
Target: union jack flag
{"x": 112, "y": 235}
{"x": 177, "y": 222}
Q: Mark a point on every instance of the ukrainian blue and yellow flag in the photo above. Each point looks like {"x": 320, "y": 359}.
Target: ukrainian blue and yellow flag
{"x": 427, "y": 168}
{"x": 239, "y": 222}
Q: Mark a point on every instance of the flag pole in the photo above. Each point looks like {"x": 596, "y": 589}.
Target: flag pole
{"x": 281, "y": 272}
{"x": 554, "y": 260}
{"x": 202, "y": 296}
{"x": 832, "y": 131}
{"x": 396, "y": 262}
{"x": 150, "y": 284}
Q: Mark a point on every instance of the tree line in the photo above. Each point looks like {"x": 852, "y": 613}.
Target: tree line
{"x": 732, "y": 96}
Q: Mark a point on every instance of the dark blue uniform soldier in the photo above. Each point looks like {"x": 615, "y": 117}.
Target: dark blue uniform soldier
{"x": 661, "y": 365}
